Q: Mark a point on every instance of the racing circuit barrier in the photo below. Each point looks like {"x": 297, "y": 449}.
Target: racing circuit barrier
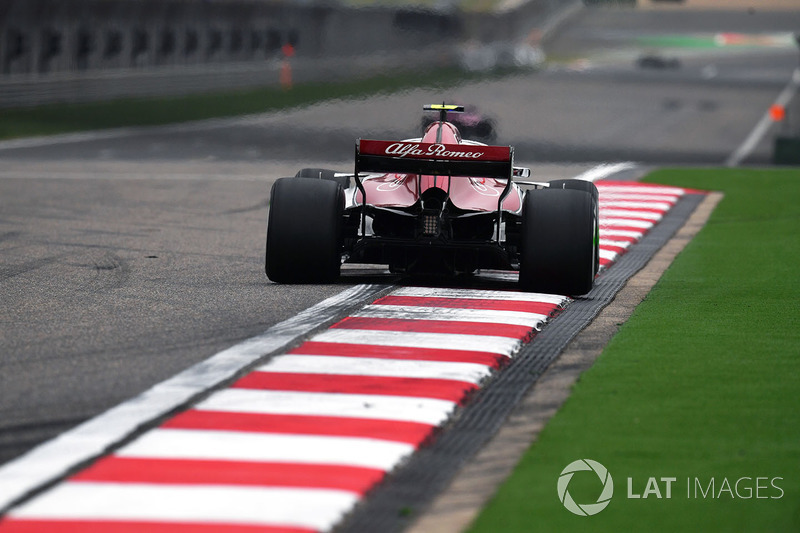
{"x": 84, "y": 50}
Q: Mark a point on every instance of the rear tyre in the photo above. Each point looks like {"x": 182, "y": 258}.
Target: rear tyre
{"x": 577, "y": 185}
{"x": 324, "y": 174}
{"x": 304, "y": 231}
{"x": 558, "y": 251}
{"x": 586, "y": 186}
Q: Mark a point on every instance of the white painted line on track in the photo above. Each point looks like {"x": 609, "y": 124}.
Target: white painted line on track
{"x": 66, "y": 138}
{"x": 629, "y": 204}
{"x": 622, "y": 213}
{"x": 410, "y": 339}
{"x": 376, "y": 407}
{"x": 609, "y": 232}
{"x": 519, "y": 318}
{"x": 607, "y": 254}
{"x": 188, "y": 503}
{"x": 763, "y": 125}
{"x": 619, "y": 189}
{"x": 118, "y": 133}
{"x": 604, "y": 170}
{"x": 56, "y": 457}
{"x": 367, "y": 366}
{"x": 266, "y": 447}
{"x": 610, "y": 196}
{"x": 611, "y": 242}
{"x": 626, "y": 222}
{"x": 480, "y": 295}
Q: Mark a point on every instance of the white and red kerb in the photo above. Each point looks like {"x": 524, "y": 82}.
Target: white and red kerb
{"x": 295, "y": 444}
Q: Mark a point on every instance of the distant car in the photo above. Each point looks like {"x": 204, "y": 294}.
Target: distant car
{"x": 436, "y": 204}
{"x": 471, "y": 123}
{"x": 657, "y": 61}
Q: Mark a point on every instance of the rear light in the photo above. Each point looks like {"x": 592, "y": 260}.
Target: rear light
{"x": 431, "y": 225}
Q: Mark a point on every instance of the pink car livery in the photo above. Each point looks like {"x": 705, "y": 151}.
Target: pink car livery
{"x": 434, "y": 205}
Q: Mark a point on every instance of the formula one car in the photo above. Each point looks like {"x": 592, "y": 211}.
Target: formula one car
{"x": 438, "y": 204}
{"x": 471, "y": 123}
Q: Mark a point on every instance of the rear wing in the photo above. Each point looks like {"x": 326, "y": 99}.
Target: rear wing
{"x": 411, "y": 157}
{"x": 408, "y": 157}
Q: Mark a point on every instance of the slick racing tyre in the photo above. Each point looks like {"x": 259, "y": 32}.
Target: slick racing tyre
{"x": 578, "y": 185}
{"x": 558, "y": 251}
{"x": 304, "y": 231}
{"x": 324, "y": 174}
{"x": 587, "y": 186}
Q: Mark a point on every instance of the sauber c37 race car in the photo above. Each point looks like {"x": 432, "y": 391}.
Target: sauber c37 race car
{"x": 438, "y": 204}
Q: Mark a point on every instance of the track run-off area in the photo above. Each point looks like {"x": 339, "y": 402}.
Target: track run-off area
{"x": 153, "y": 379}
{"x": 261, "y": 437}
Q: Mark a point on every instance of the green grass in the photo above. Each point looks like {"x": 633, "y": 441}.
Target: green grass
{"x": 702, "y": 382}
{"x": 63, "y": 118}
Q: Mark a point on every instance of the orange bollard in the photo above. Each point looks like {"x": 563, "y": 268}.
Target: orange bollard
{"x": 286, "y": 67}
{"x": 777, "y": 113}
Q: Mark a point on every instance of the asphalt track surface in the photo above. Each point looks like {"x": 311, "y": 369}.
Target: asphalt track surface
{"x": 128, "y": 256}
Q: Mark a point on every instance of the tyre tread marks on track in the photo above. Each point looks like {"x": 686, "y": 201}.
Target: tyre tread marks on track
{"x": 312, "y": 430}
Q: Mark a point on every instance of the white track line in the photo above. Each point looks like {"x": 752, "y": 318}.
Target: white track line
{"x": 604, "y": 170}
{"x": 187, "y": 503}
{"x": 368, "y": 366}
{"x": 193, "y": 444}
{"x": 628, "y": 204}
{"x": 605, "y": 232}
{"x": 608, "y": 254}
{"x": 405, "y": 409}
{"x": 612, "y": 242}
{"x": 431, "y": 292}
{"x": 618, "y": 189}
{"x": 760, "y": 129}
{"x": 56, "y": 457}
{"x": 626, "y": 222}
{"x": 411, "y": 339}
{"x": 609, "y": 196}
{"x": 518, "y": 318}
{"x": 622, "y": 213}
